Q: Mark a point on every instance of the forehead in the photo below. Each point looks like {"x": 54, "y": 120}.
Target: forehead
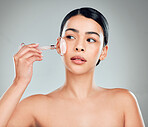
{"x": 83, "y": 24}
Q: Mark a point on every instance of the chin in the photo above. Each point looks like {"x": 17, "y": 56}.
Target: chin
{"x": 78, "y": 69}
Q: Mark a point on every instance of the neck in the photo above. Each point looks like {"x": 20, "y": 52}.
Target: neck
{"x": 79, "y": 86}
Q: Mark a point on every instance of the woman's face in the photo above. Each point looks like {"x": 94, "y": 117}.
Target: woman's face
{"x": 84, "y": 41}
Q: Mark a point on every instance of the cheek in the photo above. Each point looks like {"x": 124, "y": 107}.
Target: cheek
{"x": 69, "y": 47}
{"x": 94, "y": 54}
{"x": 94, "y": 50}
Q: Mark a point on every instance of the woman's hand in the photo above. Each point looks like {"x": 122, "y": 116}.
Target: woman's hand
{"x": 24, "y": 60}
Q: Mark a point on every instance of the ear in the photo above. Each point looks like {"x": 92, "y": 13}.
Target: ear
{"x": 58, "y": 46}
{"x": 104, "y": 53}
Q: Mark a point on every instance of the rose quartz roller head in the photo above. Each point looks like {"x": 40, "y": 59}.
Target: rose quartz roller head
{"x": 62, "y": 47}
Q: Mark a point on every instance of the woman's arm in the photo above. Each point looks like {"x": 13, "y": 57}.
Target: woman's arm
{"x": 24, "y": 60}
{"x": 10, "y": 100}
{"x": 133, "y": 116}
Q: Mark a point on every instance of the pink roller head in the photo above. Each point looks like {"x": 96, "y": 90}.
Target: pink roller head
{"x": 62, "y": 46}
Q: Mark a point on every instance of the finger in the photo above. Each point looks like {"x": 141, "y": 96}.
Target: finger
{"x": 26, "y": 50}
{"x": 22, "y": 44}
{"x": 33, "y": 45}
{"x": 31, "y": 54}
{"x": 30, "y": 45}
{"x": 28, "y": 58}
{"x": 34, "y": 58}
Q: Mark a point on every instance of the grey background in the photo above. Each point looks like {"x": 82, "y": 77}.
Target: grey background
{"x": 39, "y": 21}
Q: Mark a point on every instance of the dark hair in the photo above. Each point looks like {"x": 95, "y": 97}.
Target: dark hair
{"x": 89, "y": 13}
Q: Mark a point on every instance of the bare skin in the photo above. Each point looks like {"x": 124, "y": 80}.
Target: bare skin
{"x": 77, "y": 103}
{"x": 104, "y": 108}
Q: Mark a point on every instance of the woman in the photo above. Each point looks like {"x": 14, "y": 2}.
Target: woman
{"x": 79, "y": 102}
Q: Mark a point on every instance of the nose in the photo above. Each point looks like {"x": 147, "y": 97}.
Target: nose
{"x": 79, "y": 47}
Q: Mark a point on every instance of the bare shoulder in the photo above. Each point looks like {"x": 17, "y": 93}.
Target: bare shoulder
{"x": 122, "y": 97}
{"x": 35, "y": 102}
{"x": 117, "y": 90}
{"x": 27, "y": 110}
{"x": 120, "y": 94}
{"x": 126, "y": 97}
{"x": 34, "y": 99}
{"x": 130, "y": 106}
{"x": 39, "y": 100}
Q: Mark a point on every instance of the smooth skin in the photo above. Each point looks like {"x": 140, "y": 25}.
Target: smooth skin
{"x": 79, "y": 102}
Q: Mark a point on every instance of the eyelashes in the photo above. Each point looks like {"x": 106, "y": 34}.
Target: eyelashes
{"x": 70, "y": 37}
{"x": 89, "y": 39}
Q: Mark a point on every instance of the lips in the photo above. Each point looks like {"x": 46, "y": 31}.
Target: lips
{"x": 78, "y": 59}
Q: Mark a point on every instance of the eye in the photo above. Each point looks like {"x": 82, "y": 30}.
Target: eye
{"x": 70, "y": 37}
{"x": 91, "y": 40}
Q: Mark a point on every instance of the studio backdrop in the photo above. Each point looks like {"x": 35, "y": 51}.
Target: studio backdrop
{"x": 38, "y": 21}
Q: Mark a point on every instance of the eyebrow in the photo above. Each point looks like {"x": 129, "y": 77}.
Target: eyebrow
{"x": 77, "y": 31}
